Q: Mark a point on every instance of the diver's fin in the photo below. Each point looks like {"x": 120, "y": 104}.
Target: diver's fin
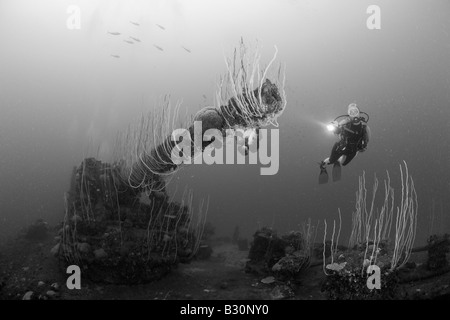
{"x": 323, "y": 176}
{"x": 336, "y": 171}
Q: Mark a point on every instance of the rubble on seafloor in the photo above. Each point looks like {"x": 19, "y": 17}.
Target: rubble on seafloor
{"x": 281, "y": 261}
{"x": 348, "y": 274}
{"x": 283, "y": 256}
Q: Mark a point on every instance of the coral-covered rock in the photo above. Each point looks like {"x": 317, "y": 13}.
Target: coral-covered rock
{"x": 282, "y": 255}
{"x": 290, "y": 266}
{"x": 119, "y": 234}
{"x": 347, "y": 274}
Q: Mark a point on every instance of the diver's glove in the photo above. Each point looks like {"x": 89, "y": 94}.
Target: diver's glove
{"x": 362, "y": 146}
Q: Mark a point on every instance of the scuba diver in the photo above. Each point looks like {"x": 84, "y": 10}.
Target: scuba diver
{"x": 354, "y": 134}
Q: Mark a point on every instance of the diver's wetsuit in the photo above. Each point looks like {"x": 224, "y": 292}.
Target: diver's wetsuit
{"x": 353, "y": 139}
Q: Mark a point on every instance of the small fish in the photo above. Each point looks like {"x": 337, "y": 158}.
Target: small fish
{"x": 170, "y": 216}
{"x": 135, "y": 23}
{"x": 159, "y": 48}
{"x": 186, "y": 49}
{"x": 161, "y": 26}
{"x": 204, "y": 97}
{"x": 135, "y": 39}
{"x": 114, "y": 33}
{"x": 128, "y": 41}
{"x": 115, "y": 56}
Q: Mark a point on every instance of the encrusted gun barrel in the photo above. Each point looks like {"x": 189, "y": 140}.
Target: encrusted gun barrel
{"x": 249, "y": 110}
{"x": 246, "y": 99}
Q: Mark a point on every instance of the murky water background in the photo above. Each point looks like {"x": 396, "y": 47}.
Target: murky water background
{"x": 63, "y": 96}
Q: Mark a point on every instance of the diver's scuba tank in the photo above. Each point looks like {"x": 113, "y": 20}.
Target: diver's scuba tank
{"x": 361, "y": 116}
{"x": 364, "y": 118}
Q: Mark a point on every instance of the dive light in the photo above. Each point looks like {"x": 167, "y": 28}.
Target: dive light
{"x": 332, "y": 127}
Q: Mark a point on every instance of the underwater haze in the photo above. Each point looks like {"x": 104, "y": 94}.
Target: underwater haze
{"x": 66, "y": 92}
